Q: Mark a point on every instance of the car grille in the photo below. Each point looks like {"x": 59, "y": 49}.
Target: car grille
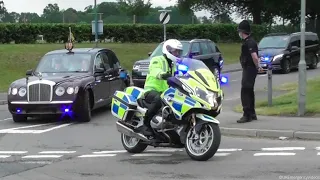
{"x": 39, "y": 92}
{"x": 144, "y": 67}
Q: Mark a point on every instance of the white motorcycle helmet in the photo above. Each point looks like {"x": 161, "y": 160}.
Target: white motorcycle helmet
{"x": 172, "y": 48}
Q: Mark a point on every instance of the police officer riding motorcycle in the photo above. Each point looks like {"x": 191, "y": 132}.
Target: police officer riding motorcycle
{"x": 160, "y": 69}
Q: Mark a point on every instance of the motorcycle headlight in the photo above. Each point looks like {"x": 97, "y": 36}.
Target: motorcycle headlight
{"x": 210, "y": 97}
{"x": 60, "y": 91}
{"x": 22, "y": 92}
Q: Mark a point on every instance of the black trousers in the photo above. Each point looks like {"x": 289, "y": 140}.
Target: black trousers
{"x": 249, "y": 75}
{"x": 153, "y": 100}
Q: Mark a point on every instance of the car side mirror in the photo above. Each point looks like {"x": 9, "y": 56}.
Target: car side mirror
{"x": 294, "y": 48}
{"x": 29, "y": 72}
{"x": 149, "y": 53}
{"x": 99, "y": 71}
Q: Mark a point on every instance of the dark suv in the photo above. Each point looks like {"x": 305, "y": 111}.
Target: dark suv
{"x": 202, "y": 49}
{"x": 283, "y": 50}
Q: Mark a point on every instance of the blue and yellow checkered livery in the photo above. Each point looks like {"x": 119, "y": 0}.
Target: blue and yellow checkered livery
{"x": 124, "y": 100}
{"x": 179, "y": 102}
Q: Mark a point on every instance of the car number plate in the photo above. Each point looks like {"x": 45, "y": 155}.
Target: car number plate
{"x": 144, "y": 73}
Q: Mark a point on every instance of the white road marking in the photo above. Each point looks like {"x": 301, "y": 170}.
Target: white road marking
{"x": 283, "y": 148}
{"x": 6, "y": 119}
{"x": 164, "y": 150}
{"x": 50, "y": 129}
{"x": 221, "y": 154}
{"x": 228, "y": 150}
{"x": 110, "y": 152}
{"x": 151, "y": 155}
{"x": 41, "y": 156}
{"x": 13, "y": 152}
{"x": 275, "y": 154}
{"x": 36, "y": 162}
{"x": 21, "y": 130}
{"x": 97, "y": 155}
{"x": 4, "y": 156}
{"x": 57, "y": 152}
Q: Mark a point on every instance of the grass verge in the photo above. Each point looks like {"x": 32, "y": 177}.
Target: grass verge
{"x": 287, "y": 104}
{"x": 15, "y": 59}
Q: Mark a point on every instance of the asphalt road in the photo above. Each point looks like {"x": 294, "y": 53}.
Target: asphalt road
{"x": 50, "y": 149}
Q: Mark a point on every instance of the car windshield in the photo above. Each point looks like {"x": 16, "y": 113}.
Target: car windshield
{"x": 273, "y": 42}
{"x": 158, "y": 50}
{"x": 193, "y": 64}
{"x": 64, "y": 63}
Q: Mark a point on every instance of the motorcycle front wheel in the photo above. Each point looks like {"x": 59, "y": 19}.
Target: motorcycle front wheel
{"x": 203, "y": 146}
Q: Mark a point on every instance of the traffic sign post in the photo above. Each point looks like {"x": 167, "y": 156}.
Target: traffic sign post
{"x": 269, "y": 84}
{"x": 164, "y": 19}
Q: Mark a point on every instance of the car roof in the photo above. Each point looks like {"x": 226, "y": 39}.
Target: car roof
{"x": 289, "y": 34}
{"x": 192, "y": 40}
{"x": 77, "y": 50}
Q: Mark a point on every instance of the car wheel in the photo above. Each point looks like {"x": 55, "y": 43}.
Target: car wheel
{"x": 314, "y": 64}
{"x": 85, "y": 109}
{"x": 19, "y": 118}
{"x": 286, "y": 67}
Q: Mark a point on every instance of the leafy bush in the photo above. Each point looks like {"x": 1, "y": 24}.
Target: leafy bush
{"x": 142, "y": 33}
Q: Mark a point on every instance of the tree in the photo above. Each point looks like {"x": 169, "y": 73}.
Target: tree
{"x": 135, "y": 7}
{"x": 51, "y": 13}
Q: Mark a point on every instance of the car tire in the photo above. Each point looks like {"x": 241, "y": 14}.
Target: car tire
{"x": 314, "y": 62}
{"x": 19, "y": 118}
{"x": 85, "y": 109}
{"x": 285, "y": 66}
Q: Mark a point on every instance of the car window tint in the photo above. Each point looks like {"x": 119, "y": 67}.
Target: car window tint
{"x": 98, "y": 62}
{"x": 212, "y": 47}
{"x": 105, "y": 60}
{"x": 195, "y": 48}
{"x": 113, "y": 60}
{"x": 204, "y": 48}
{"x": 295, "y": 42}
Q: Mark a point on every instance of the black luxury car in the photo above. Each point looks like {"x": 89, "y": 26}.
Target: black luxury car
{"x": 68, "y": 82}
{"x": 283, "y": 51}
{"x": 202, "y": 49}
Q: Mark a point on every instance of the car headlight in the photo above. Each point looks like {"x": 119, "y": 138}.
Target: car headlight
{"x": 70, "y": 90}
{"x": 76, "y": 89}
{"x": 60, "y": 91}
{"x": 136, "y": 67}
{"x": 22, "y": 91}
{"x": 277, "y": 57}
{"x": 14, "y": 91}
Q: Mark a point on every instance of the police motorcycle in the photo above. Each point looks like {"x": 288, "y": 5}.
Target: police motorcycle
{"x": 186, "y": 119}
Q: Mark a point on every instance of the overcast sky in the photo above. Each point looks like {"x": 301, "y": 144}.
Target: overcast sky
{"x": 38, "y": 5}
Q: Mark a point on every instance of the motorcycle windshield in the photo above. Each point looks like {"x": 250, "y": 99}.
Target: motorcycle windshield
{"x": 200, "y": 72}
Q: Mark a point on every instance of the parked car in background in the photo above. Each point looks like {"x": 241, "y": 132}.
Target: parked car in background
{"x": 68, "y": 83}
{"x": 283, "y": 51}
{"x": 202, "y": 49}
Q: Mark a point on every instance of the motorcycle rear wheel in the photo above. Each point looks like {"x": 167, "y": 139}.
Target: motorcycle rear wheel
{"x": 212, "y": 139}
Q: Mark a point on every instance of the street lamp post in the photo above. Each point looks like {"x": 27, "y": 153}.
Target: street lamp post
{"x": 96, "y": 22}
{"x": 302, "y": 64}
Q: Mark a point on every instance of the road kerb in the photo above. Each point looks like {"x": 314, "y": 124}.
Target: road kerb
{"x": 260, "y": 133}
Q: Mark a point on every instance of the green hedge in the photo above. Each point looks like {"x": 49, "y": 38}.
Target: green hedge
{"x": 142, "y": 33}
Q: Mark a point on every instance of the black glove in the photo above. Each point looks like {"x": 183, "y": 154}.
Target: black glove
{"x": 165, "y": 76}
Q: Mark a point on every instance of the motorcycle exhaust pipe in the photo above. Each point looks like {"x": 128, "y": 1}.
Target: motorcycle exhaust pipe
{"x": 129, "y": 132}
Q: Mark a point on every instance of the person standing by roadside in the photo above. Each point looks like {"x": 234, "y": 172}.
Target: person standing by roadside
{"x": 249, "y": 60}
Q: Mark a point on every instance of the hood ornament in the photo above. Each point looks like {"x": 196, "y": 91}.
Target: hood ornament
{"x": 40, "y": 75}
